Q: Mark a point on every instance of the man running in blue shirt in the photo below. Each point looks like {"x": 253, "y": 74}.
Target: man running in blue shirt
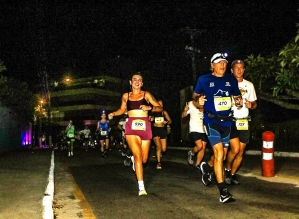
{"x": 214, "y": 92}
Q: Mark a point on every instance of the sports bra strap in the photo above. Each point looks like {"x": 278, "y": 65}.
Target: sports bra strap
{"x": 143, "y": 94}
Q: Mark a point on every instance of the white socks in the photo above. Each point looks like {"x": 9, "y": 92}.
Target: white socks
{"x": 141, "y": 185}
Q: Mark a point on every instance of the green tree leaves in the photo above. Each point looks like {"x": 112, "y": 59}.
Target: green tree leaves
{"x": 277, "y": 74}
{"x": 16, "y": 96}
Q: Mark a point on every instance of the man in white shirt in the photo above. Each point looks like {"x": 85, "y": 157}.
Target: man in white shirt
{"x": 197, "y": 134}
{"x": 86, "y": 136}
{"x": 240, "y": 133}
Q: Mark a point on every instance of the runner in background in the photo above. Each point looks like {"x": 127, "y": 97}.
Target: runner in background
{"x": 70, "y": 137}
{"x": 86, "y": 137}
{"x": 103, "y": 129}
{"x": 159, "y": 121}
{"x": 197, "y": 133}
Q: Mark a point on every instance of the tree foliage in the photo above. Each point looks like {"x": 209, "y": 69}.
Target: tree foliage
{"x": 276, "y": 77}
{"x": 16, "y": 96}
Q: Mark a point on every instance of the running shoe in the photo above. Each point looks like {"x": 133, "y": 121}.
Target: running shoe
{"x": 159, "y": 166}
{"x": 226, "y": 197}
{"x": 142, "y": 192}
{"x": 190, "y": 158}
{"x": 197, "y": 166}
{"x": 234, "y": 180}
{"x": 133, "y": 163}
{"x": 127, "y": 161}
{"x": 123, "y": 153}
{"x": 227, "y": 176}
{"x": 206, "y": 177}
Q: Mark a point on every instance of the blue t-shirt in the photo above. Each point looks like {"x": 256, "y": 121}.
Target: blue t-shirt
{"x": 218, "y": 92}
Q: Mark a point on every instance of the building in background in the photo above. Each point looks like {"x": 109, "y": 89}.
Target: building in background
{"x": 81, "y": 100}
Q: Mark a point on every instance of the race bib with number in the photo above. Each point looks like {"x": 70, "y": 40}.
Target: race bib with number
{"x": 138, "y": 124}
{"x": 222, "y": 103}
{"x": 200, "y": 119}
{"x": 159, "y": 120}
{"x": 71, "y": 135}
{"x": 242, "y": 124}
{"x": 103, "y": 133}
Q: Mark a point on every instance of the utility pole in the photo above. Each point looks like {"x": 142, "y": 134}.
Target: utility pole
{"x": 41, "y": 64}
{"x": 186, "y": 93}
{"x": 192, "y": 50}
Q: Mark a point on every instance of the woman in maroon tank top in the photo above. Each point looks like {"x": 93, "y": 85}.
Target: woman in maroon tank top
{"x": 138, "y": 128}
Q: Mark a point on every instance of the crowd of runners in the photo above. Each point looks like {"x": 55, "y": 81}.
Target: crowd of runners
{"x": 218, "y": 113}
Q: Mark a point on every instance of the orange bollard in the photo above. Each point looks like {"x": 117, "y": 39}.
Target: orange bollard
{"x": 268, "y": 152}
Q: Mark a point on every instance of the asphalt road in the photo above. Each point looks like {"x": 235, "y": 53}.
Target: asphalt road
{"x": 88, "y": 186}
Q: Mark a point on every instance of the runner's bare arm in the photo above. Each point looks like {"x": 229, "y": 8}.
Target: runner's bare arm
{"x": 186, "y": 108}
{"x": 168, "y": 119}
{"x": 122, "y": 109}
{"x": 153, "y": 101}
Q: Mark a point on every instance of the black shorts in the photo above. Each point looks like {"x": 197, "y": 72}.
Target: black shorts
{"x": 159, "y": 132}
{"x": 195, "y": 136}
{"x": 68, "y": 139}
{"x": 103, "y": 137}
{"x": 243, "y": 135}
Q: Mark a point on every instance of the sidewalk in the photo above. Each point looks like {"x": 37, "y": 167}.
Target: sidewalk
{"x": 24, "y": 177}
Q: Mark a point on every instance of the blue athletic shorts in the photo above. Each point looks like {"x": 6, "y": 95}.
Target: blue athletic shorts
{"x": 217, "y": 133}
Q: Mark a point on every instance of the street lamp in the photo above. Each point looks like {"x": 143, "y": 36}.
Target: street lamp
{"x": 66, "y": 80}
{"x": 39, "y": 114}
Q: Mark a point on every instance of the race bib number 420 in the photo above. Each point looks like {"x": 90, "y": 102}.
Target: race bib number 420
{"x": 159, "y": 120}
{"x": 222, "y": 103}
{"x": 138, "y": 124}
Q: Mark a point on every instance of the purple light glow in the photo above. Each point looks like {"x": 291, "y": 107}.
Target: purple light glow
{"x": 27, "y": 136}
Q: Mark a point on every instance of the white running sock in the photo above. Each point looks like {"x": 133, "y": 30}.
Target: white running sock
{"x": 141, "y": 185}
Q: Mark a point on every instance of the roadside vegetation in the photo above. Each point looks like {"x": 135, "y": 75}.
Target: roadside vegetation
{"x": 276, "y": 80}
{"x": 16, "y": 96}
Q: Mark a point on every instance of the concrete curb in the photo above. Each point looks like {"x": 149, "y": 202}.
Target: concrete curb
{"x": 49, "y": 193}
{"x": 250, "y": 152}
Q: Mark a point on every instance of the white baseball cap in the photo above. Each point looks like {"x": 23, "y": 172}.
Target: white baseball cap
{"x": 218, "y": 57}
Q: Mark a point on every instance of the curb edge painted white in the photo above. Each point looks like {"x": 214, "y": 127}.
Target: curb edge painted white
{"x": 250, "y": 152}
{"x": 49, "y": 193}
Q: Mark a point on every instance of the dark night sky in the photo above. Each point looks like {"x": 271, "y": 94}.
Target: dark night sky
{"x": 79, "y": 34}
